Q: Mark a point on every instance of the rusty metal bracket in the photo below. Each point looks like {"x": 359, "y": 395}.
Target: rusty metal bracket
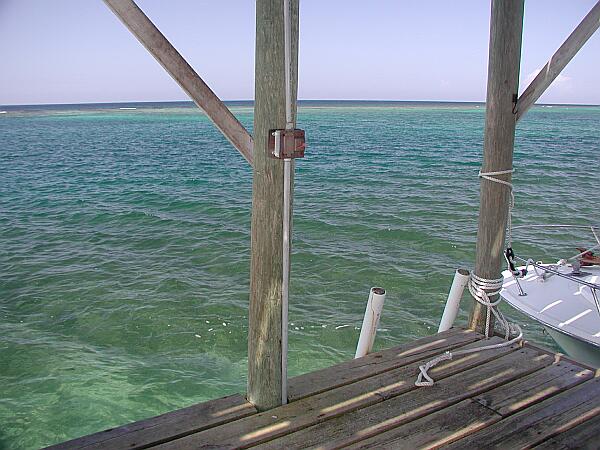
{"x": 287, "y": 144}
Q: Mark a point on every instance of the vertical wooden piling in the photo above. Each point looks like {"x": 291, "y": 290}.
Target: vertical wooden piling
{"x": 506, "y": 28}
{"x": 265, "y": 327}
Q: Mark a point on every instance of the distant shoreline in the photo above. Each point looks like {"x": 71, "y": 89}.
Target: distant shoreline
{"x": 250, "y": 103}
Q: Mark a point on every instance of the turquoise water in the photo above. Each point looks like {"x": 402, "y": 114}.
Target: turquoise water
{"x": 125, "y": 244}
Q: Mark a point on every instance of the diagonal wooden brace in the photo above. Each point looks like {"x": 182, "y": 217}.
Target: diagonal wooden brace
{"x": 172, "y": 61}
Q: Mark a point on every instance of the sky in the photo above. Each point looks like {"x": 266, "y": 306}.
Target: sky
{"x": 77, "y": 51}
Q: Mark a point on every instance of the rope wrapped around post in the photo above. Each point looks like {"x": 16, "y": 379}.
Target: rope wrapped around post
{"x": 491, "y": 176}
{"x": 481, "y": 290}
{"x": 477, "y": 288}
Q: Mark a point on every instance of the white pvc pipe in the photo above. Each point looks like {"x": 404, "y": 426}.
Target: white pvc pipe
{"x": 461, "y": 278}
{"x": 370, "y": 322}
{"x": 287, "y": 181}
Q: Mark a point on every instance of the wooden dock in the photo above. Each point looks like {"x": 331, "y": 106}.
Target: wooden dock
{"x": 511, "y": 397}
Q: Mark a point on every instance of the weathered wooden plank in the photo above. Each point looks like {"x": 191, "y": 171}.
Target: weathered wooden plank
{"x": 167, "y": 426}
{"x": 434, "y": 430}
{"x": 265, "y": 368}
{"x": 541, "y": 422}
{"x": 502, "y": 89}
{"x": 559, "y": 61}
{"x": 372, "y": 421}
{"x": 584, "y": 436}
{"x": 168, "y": 57}
{"x": 560, "y": 356}
{"x": 375, "y": 363}
{"x": 471, "y": 415}
{"x": 534, "y": 388}
{"x": 318, "y": 408}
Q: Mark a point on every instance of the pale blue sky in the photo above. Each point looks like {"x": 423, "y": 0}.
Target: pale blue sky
{"x": 73, "y": 51}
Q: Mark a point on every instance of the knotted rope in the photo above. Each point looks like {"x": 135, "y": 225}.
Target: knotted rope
{"x": 423, "y": 369}
{"x": 483, "y": 290}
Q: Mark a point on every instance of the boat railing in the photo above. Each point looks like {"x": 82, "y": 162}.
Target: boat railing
{"x": 594, "y": 287}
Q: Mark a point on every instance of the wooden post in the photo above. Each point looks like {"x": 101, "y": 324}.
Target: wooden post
{"x": 168, "y": 57}
{"x": 559, "y": 60}
{"x": 503, "y": 84}
{"x": 266, "y": 270}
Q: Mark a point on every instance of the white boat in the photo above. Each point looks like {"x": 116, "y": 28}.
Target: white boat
{"x": 564, "y": 299}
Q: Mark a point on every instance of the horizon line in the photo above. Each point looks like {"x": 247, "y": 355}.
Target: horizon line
{"x": 299, "y": 101}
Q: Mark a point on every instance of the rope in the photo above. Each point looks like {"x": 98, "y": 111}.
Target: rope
{"x": 491, "y": 176}
{"x": 449, "y": 355}
{"x": 481, "y": 289}
{"x": 425, "y": 367}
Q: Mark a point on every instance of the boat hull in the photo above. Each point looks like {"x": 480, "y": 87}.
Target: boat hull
{"x": 563, "y": 306}
{"x": 575, "y": 348}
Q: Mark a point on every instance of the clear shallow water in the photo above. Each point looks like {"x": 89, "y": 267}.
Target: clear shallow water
{"x": 125, "y": 244}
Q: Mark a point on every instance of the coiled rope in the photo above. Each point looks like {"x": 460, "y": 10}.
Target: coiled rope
{"x": 482, "y": 290}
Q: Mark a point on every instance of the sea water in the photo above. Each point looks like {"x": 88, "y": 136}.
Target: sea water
{"x": 125, "y": 236}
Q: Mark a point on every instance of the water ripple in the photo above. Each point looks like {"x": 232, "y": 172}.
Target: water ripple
{"x": 125, "y": 246}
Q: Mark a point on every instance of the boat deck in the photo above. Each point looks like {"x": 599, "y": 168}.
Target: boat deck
{"x": 511, "y": 397}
